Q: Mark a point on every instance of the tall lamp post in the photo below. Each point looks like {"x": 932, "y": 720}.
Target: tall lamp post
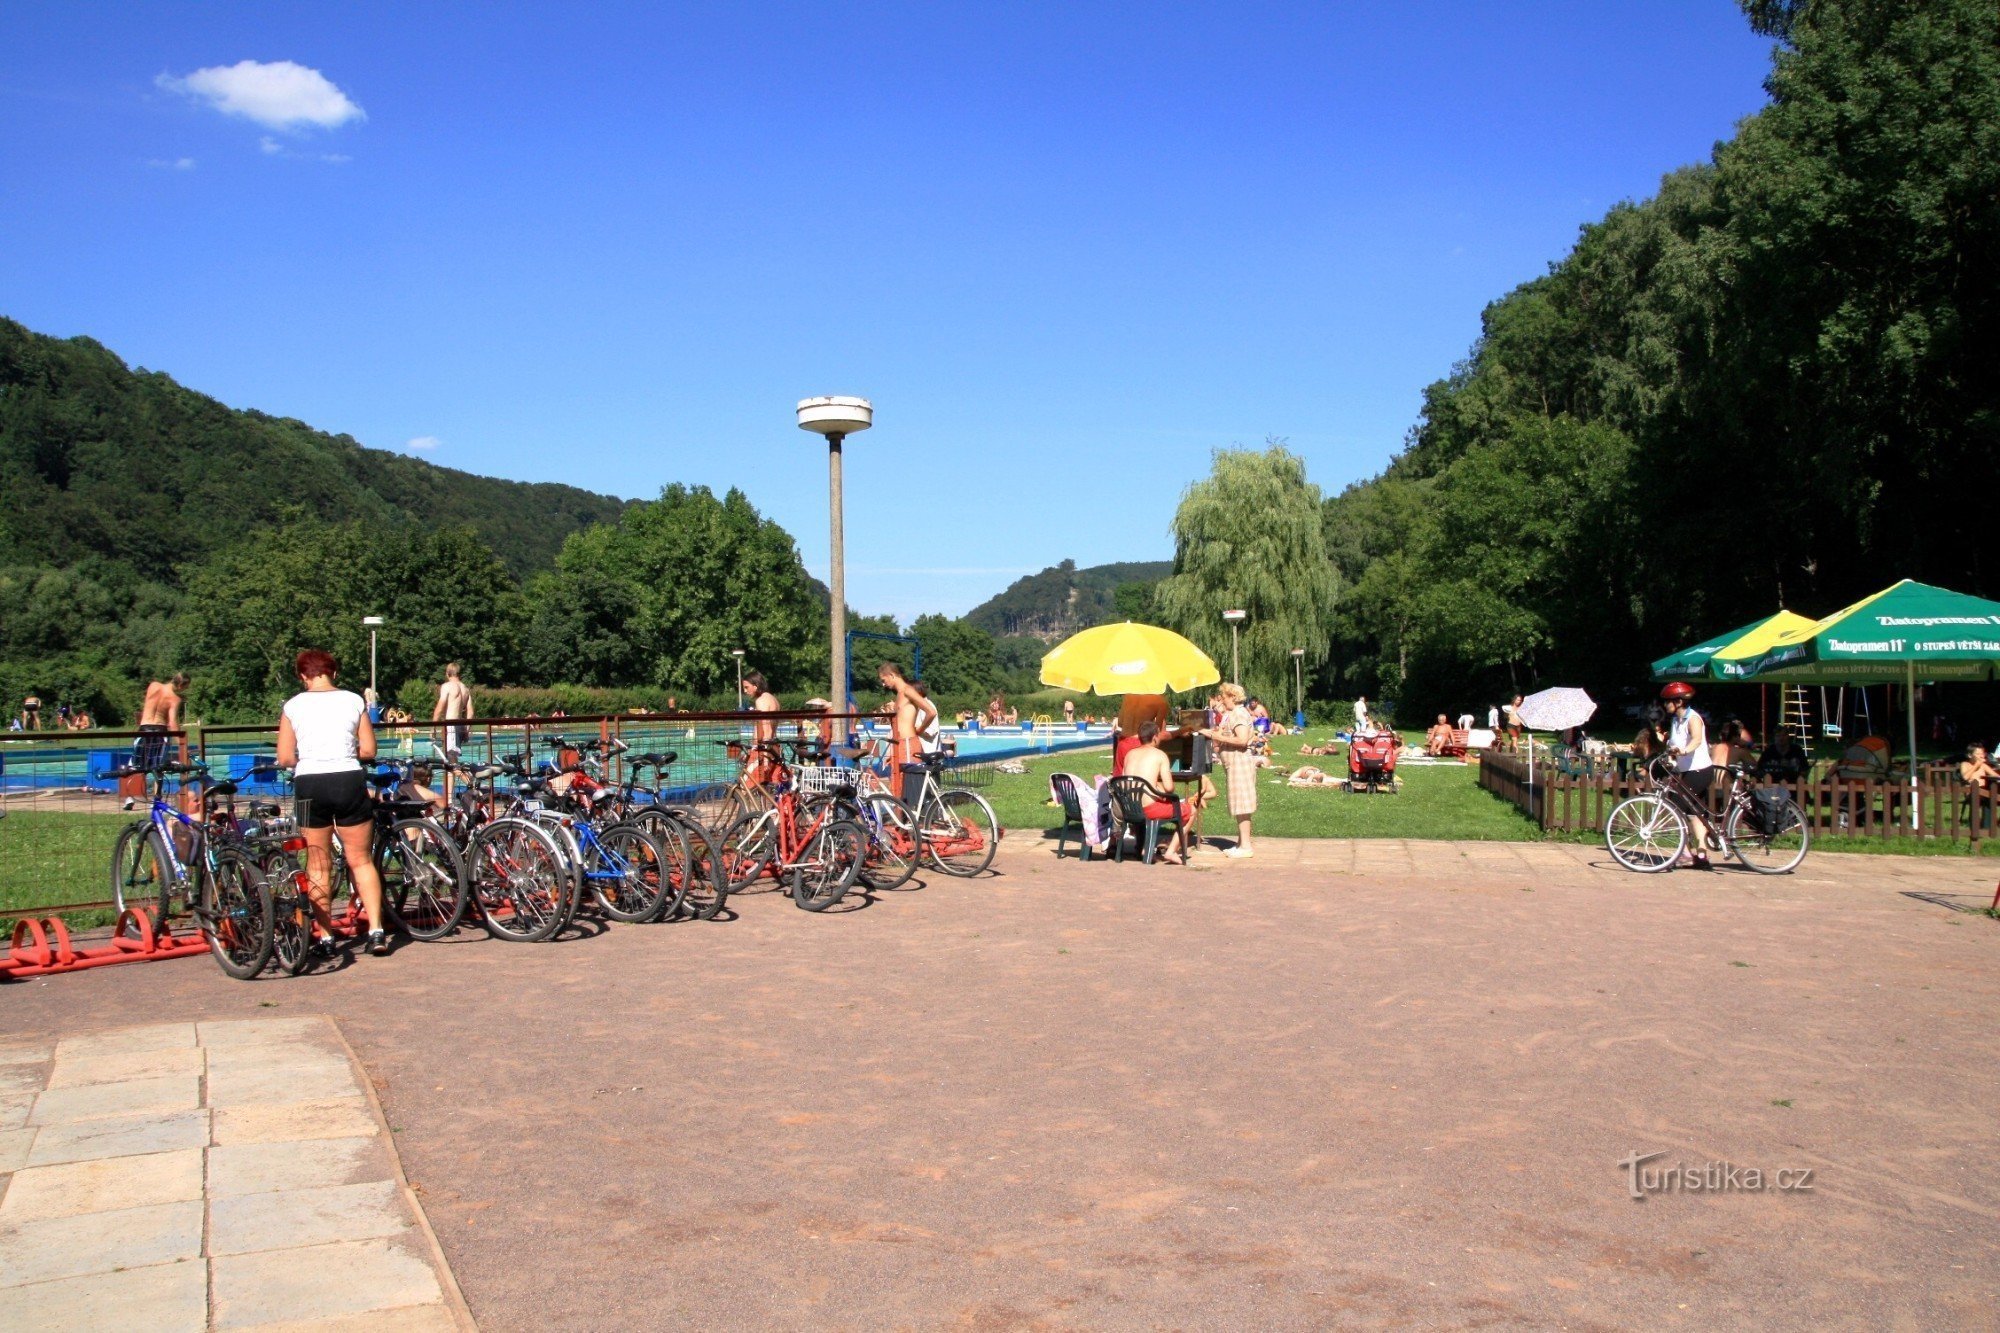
{"x": 374, "y": 624}
{"x": 1299, "y": 671}
{"x": 836, "y": 418}
{"x": 1235, "y": 618}
{"x": 737, "y": 653}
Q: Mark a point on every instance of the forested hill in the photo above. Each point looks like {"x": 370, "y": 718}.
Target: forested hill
{"x": 1062, "y": 598}
{"x": 101, "y": 463}
{"x": 1771, "y": 384}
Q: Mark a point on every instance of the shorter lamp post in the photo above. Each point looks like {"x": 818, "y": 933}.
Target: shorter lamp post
{"x": 1299, "y": 671}
{"x": 1235, "y": 618}
{"x": 374, "y": 624}
{"x": 737, "y": 653}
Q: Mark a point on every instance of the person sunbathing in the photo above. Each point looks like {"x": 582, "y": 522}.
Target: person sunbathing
{"x": 1438, "y": 739}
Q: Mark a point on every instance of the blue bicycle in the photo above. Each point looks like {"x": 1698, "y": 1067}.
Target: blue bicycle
{"x": 170, "y": 860}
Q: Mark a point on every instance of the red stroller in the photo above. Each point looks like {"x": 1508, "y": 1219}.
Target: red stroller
{"x": 1371, "y": 762}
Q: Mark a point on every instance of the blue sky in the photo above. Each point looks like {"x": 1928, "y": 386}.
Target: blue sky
{"x": 1068, "y": 249}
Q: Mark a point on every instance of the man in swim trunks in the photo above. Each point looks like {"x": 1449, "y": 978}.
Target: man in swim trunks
{"x": 454, "y": 709}
{"x": 1148, "y": 761}
{"x": 914, "y": 715}
{"x": 158, "y": 715}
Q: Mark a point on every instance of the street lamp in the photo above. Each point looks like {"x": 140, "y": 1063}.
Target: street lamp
{"x": 374, "y": 623}
{"x": 737, "y": 653}
{"x": 1299, "y": 670}
{"x": 836, "y": 418}
{"x": 1235, "y": 618}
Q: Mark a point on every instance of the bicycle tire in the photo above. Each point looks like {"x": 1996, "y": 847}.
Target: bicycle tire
{"x": 828, "y": 865}
{"x": 423, "y": 878}
{"x": 566, "y": 842}
{"x": 960, "y": 832}
{"x": 235, "y": 916}
{"x": 139, "y": 873}
{"x": 1632, "y": 834}
{"x": 519, "y": 880}
{"x": 704, "y": 889}
{"x": 643, "y": 885}
{"x": 893, "y": 847}
{"x": 746, "y": 849}
{"x": 1768, "y": 851}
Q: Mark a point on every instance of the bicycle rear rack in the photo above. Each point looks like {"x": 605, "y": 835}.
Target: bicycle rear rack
{"x": 41, "y": 946}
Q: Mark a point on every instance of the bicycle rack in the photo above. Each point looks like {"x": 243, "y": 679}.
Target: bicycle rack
{"x": 41, "y": 946}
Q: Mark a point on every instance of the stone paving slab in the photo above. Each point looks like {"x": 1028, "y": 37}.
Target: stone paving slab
{"x": 232, "y": 1174}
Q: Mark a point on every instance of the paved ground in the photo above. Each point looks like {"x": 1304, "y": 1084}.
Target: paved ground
{"x": 188, "y": 1176}
{"x": 1370, "y": 1083}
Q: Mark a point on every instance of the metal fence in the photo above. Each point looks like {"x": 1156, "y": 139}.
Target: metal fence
{"x": 61, "y": 808}
{"x": 1579, "y": 802}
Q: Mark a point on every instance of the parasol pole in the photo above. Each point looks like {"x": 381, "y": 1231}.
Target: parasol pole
{"x": 1910, "y": 704}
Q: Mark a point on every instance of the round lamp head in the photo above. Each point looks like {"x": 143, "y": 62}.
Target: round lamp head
{"x": 736, "y": 652}
{"x": 1298, "y": 652}
{"x": 835, "y": 415}
{"x": 1233, "y": 616}
{"x": 371, "y": 621}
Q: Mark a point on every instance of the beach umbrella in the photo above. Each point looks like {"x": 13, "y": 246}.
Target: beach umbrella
{"x": 1699, "y": 662}
{"x": 1127, "y": 659}
{"x": 1908, "y": 632}
{"x": 1556, "y": 709}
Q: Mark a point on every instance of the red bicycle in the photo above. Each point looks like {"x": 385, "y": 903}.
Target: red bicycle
{"x": 809, "y": 847}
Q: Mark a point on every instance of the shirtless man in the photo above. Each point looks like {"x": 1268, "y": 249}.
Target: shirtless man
{"x": 158, "y": 715}
{"x": 454, "y": 709}
{"x": 914, "y": 715}
{"x": 763, "y": 731}
{"x": 1147, "y": 760}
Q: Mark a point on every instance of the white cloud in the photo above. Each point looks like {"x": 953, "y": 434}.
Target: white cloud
{"x": 423, "y": 444}
{"x": 279, "y": 95}
{"x": 270, "y": 145}
{"x": 171, "y": 163}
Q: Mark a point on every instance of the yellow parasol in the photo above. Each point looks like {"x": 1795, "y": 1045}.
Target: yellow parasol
{"x": 1128, "y": 659}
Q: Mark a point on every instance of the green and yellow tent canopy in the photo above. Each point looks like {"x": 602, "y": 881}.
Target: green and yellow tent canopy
{"x": 1699, "y": 662}
{"x": 1906, "y": 633}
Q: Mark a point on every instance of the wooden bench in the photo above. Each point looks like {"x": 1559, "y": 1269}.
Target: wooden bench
{"x": 1456, "y": 747}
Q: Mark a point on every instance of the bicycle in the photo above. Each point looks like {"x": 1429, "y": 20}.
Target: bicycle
{"x": 168, "y": 855}
{"x": 956, "y": 829}
{"x": 817, "y": 853}
{"x": 518, "y": 876}
{"x": 624, "y": 865}
{"x": 699, "y": 889}
{"x": 1763, "y": 828}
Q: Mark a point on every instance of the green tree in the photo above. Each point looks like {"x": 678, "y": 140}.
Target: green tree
{"x": 1251, "y": 536}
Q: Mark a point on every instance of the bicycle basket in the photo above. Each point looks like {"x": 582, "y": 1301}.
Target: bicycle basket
{"x": 823, "y": 779}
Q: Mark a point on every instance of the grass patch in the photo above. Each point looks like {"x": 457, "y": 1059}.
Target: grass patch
{"x": 1441, "y": 801}
{"x": 52, "y": 856}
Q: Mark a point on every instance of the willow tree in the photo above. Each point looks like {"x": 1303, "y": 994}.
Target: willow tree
{"x": 1250, "y": 536}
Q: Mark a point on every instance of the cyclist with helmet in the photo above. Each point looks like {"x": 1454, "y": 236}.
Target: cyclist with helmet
{"x": 1694, "y": 766}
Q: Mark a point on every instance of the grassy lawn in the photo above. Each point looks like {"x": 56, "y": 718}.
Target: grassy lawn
{"x": 50, "y": 856}
{"x": 1442, "y": 801}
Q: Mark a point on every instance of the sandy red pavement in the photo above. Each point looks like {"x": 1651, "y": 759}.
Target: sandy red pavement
{"x": 1345, "y": 1083}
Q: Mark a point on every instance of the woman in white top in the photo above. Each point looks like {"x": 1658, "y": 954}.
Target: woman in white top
{"x": 325, "y": 738}
{"x": 1687, "y": 741}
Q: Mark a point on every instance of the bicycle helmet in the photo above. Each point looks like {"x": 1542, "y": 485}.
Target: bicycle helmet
{"x": 1678, "y": 689}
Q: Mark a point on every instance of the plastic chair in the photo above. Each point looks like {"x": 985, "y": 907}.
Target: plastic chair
{"x": 1131, "y": 796}
{"x": 1064, "y": 787}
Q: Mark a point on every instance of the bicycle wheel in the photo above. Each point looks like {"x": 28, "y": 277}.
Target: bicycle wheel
{"x": 423, "y": 878}
{"x": 520, "y": 880}
{"x": 566, "y": 843}
{"x": 626, "y": 868}
{"x": 234, "y": 915}
{"x": 828, "y": 866}
{"x": 746, "y": 849}
{"x": 893, "y": 849}
{"x": 704, "y": 888}
{"x": 291, "y": 929}
{"x": 1772, "y": 841}
{"x": 1645, "y": 833}
{"x": 140, "y": 871}
{"x": 960, "y": 832}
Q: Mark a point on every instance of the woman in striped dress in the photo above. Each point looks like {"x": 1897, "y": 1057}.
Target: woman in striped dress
{"x": 1233, "y": 738}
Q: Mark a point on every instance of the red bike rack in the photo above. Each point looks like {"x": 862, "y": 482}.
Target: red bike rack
{"x": 41, "y": 946}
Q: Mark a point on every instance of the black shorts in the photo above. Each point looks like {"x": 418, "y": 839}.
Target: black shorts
{"x": 332, "y": 800}
{"x": 149, "y": 750}
{"x": 1696, "y": 780}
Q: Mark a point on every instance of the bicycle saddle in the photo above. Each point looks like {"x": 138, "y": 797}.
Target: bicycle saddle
{"x": 223, "y": 788}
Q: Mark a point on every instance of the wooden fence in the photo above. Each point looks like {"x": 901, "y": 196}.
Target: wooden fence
{"x": 1842, "y": 807}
